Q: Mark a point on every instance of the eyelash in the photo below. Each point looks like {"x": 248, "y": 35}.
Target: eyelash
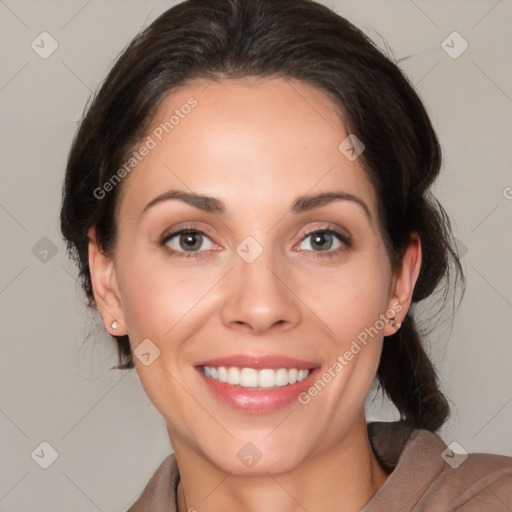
{"x": 198, "y": 254}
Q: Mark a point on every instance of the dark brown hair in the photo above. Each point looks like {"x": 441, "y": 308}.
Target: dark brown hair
{"x": 296, "y": 39}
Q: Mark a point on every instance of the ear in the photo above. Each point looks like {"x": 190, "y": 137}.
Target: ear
{"x": 105, "y": 286}
{"x": 404, "y": 280}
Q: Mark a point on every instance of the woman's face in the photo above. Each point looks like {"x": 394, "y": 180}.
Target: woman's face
{"x": 267, "y": 278}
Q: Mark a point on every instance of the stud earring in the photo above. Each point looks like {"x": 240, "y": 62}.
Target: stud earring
{"x": 114, "y": 326}
{"x": 394, "y": 323}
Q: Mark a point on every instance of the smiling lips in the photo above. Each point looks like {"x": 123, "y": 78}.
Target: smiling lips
{"x": 257, "y": 384}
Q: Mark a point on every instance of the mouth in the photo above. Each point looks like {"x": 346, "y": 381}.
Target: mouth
{"x": 252, "y": 378}
{"x": 257, "y": 384}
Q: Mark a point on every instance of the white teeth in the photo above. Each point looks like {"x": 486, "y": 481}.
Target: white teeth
{"x": 252, "y": 378}
{"x": 233, "y": 376}
{"x": 301, "y": 375}
{"x": 282, "y": 377}
{"x": 222, "y": 374}
{"x": 248, "y": 378}
{"x": 266, "y": 378}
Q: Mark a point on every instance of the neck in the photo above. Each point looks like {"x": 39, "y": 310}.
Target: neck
{"x": 345, "y": 477}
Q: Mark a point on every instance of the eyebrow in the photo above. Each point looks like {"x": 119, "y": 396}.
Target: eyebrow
{"x": 216, "y": 206}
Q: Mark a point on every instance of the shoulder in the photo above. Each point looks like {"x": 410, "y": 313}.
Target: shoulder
{"x": 474, "y": 482}
{"x": 160, "y": 492}
{"x": 428, "y": 476}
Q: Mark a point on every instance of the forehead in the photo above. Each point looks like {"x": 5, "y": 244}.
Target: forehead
{"x": 258, "y": 141}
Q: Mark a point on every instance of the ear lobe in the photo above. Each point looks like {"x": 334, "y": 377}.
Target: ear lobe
{"x": 104, "y": 285}
{"x": 404, "y": 280}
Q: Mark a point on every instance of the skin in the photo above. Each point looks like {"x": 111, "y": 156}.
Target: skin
{"x": 257, "y": 145}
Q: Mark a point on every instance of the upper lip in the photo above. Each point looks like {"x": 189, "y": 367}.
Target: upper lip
{"x": 259, "y": 362}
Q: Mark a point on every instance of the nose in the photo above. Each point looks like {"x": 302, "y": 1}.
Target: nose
{"x": 259, "y": 297}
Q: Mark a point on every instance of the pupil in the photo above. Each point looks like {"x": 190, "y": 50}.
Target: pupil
{"x": 320, "y": 238}
{"x": 190, "y": 241}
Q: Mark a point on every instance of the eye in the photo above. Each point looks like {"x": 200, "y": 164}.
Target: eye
{"x": 190, "y": 242}
{"x": 187, "y": 240}
{"x": 326, "y": 241}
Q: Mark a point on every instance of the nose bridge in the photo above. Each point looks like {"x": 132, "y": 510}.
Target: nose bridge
{"x": 258, "y": 296}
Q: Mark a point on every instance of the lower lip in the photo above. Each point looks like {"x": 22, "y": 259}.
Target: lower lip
{"x": 257, "y": 400}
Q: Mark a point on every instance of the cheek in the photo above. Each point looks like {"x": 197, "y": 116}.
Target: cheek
{"x": 158, "y": 295}
{"x": 350, "y": 298}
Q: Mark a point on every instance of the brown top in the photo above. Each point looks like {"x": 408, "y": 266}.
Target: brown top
{"x": 426, "y": 476}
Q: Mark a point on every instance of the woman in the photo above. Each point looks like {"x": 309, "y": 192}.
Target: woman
{"x": 248, "y": 200}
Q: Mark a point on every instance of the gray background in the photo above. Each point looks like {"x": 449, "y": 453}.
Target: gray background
{"x": 55, "y": 384}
